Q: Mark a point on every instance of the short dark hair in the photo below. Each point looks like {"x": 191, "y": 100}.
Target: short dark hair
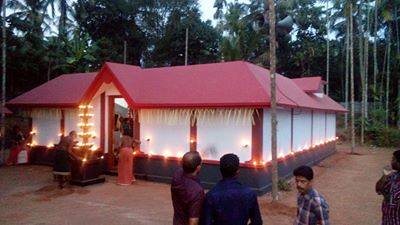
{"x": 304, "y": 171}
{"x": 229, "y": 165}
{"x": 396, "y": 155}
{"x": 190, "y": 161}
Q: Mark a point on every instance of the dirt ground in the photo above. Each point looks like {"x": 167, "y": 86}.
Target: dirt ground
{"x": 29, "y": 196}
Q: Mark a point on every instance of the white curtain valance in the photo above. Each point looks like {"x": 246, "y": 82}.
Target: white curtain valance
{"x": 238, "y": 116}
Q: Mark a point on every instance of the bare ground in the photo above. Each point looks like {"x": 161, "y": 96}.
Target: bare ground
{"x": 29, "y": 196}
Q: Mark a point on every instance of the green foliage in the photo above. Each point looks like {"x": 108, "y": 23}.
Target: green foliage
{"x": 378, "y": 134}
{"x": 284, "y": 185}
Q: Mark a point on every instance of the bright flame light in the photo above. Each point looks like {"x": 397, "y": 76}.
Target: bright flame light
{"x": 60, "y": 134}
{"x": 102, "y": 157}
{"x": 180, "y": 154}
{"x": 93, "y": 148}
{"x": 84, "y": 160}
{"x": 50, "y": 145}
{"x": 192, "y": 141}
{"x": 254, "y": 163}
{"x": 151, "y": 153}
{"x": 167, "y": 153}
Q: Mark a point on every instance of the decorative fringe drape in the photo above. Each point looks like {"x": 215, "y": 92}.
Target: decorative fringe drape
{"x": 237, "y": 116}
{"x": 42, "y": 113}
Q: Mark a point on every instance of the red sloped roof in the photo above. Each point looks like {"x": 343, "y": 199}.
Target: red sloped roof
{"x": 327, "y": 103}
{"x": 309, "y": 84}
{"x": 63, "y": 91}
{"x": 229, "y": 84}
{"x": 6, "y": 110}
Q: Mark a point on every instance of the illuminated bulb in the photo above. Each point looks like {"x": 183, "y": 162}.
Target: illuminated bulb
{"x": 292, "y": 153}
{"x": 180, "y": 154}
{"x": 167, "y": 153}
{"x": 60, "y": 134}
{"x": 84, "y": 160}
{"x": 254, "y": 163}
{"x": 82, "y": 106}
{"x": 134, "y": 153}
{"x": 93, "y": 148}
{"x": 33, "y": 143}
{"x": 102, "y": 157}
{"x": 192, "y": 141}
{"x": 50, "y": 145}
{"x": 151, "y": 153}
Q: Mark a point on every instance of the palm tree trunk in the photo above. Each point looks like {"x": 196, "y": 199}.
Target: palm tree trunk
{"x": 353, "y": 136}
{"x": 397, "y": 63}
{"x": 366, "y": 61}
{"x": 375, "y": 51}
{"x": 63, "y": 19}
{"x": 272, "y": 54}
{"x": 327, "y": 47}
{"x": 3, "y": 84}
{"x": 346, "y": 94}
{"x": 381, "y": 94}
{"x": 388, "y": 77}
{"x": 361, "y": 61}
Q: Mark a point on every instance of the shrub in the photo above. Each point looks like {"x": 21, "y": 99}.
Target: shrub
{"x": 284, "y": 185}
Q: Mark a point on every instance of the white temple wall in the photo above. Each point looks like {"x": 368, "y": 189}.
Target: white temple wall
{"x": 217, "y": 137}
{"x": 331, "y": 126}
{"x": 283, "y": 133}
{"x": 47, "y": 126}
{"x": 318, "y": 127}
{"x": 158, "y": 136}
{"x": 301, "y": 129}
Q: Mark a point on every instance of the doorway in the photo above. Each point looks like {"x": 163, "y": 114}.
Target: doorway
{"x": 120, "y": 122}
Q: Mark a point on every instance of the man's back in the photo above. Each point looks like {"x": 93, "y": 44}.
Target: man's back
{"x": 231, "y": 203}
{"x": 187, "y": 197}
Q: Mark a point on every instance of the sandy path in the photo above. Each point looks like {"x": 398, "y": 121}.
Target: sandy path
{"x": 29, "y": 196}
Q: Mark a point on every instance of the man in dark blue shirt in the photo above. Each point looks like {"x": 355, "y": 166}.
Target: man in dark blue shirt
{"x": 229, "y": 202}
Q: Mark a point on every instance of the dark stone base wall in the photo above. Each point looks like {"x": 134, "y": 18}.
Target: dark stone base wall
{"x": 159, "y": 169}
{"x": 259, "y": 178}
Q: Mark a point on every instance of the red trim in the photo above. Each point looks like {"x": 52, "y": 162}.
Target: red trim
{"x": 257, "y": 136}
{"x": 136, "y": 128}
{"x": 312, "y": 127}
{"x": 111, "y": 131}
{"x": 29, "y": 105}
{"x": 62, "y": 123}
{"x": 193, "y": 134}
{"x": 103, "y": 121}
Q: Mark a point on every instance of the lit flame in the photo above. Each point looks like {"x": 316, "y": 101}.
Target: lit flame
{"x": 102, "y": 157}
{"x": 50, "y": 145}
{"x": 180, "y": 154}
{"x": 254, "y": 163}
{"x": 167, "y": 153}
{"x": 84, "y": 160}
{"x": 192, "y": 141}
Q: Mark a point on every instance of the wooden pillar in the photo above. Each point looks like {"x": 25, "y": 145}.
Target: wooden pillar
{"x": 257, "y": 136}
{"x": 193, "y": 133}
{"x": 325, "y": 125}
{"x": 102, "y": 121}
{"x": 291, "y": 130}
{"x": 312, "y": 128}
{"x": 62, "y": 123}
{"x": 136, "y": 128}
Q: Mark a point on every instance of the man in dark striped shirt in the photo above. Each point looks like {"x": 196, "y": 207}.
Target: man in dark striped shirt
{"x": 389, "y": 187}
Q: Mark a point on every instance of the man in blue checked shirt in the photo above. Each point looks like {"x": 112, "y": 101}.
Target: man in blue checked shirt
{"x": 312, "y": 208}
